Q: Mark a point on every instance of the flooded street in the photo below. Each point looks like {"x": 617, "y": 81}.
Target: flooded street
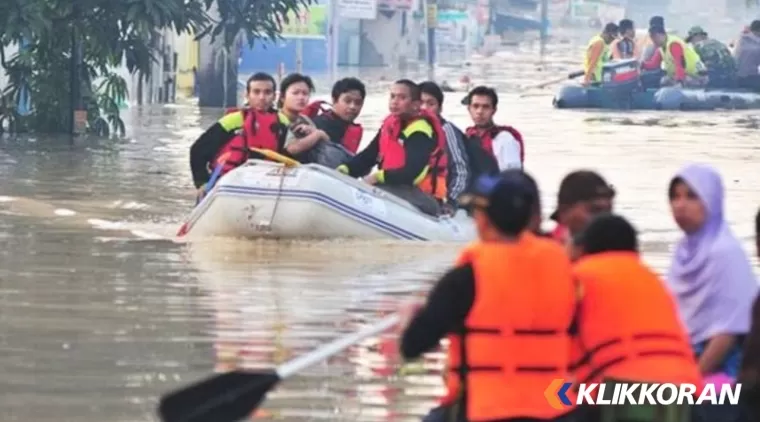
{"x": 101, "y": 311}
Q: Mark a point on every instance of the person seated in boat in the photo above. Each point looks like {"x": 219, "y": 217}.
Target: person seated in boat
{"x": 503, "y": 143}
{"x": 625, "y": 47}
{"x": 747, "y": 54}
{"x": 410, "y": 151}
{"x": 629, "y": 329}
{"x": 582, "y": 195}
{"x": 494, "y": 303}
{"x": 338, "y": 120}
{"x": 717, "y": 58}
{"x": 301, "y": 135}
{"x": 597, "y": 54}
{"x": 682, "y": 65}
{"x": 458, "y": 171}
{"x": 646, "y": 46}
{"x": 260, "y": 94}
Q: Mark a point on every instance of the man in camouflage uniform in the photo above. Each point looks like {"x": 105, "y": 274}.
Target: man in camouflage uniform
{"x": 720, "y": 63}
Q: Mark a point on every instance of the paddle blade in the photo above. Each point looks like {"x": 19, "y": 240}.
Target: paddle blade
{"x": 227, "y": 397}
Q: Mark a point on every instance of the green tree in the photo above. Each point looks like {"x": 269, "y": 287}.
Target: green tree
{"x": 72, "y": 47}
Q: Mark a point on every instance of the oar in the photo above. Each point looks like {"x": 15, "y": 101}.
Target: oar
{"x": 235, "y": 395}
{"x": 572, "y": 75}
{"x": 275, "y": 156}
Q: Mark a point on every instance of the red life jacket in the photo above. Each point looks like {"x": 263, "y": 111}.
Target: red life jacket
{"x": 353, "y": 135}
{"x": 260, "y": 130}
{"x": 393, "y": 156}
{"x": 487, "y": 136}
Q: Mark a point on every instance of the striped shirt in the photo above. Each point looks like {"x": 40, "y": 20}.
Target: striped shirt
{"x": 459, "y": 169}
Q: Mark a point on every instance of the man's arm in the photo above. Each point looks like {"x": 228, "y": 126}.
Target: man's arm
{"x": 506, "y": 149}
{"x": 361, "y": 164}
{"x": 459, "y": 167}
{"x": 446, "y": 310}
{"x": 676, "y": 51}
{"x": 654, "y": 62}
{"x": 418, "y": 147}
{"x": 594, "y": 55}
{"x": 205, "y": 148}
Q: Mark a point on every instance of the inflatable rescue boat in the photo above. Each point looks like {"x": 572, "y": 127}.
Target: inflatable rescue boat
{"x": 625, "y": 87}
{"x": 264, "y": 199}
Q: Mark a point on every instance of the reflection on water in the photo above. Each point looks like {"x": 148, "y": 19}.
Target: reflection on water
{"x": 101, "y": 312}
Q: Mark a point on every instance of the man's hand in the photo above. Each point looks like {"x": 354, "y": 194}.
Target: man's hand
{"x": 200, "y": 193}
{"x": 303, "y": 129}
{"x": 371, "y": 179}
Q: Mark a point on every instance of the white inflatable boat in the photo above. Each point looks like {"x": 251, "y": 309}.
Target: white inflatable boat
{"x": 267, "y": 199}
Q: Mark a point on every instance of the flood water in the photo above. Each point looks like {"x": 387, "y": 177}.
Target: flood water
{"x": 101, "y": 312}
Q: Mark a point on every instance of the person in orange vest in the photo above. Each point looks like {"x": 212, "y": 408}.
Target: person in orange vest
{"x": 582, "y": 195}
{"x": 629, "y": 328}
{"x": 505, "y": 143}
{"x": 410, "y": 151}
{"x": 506, "y": 308}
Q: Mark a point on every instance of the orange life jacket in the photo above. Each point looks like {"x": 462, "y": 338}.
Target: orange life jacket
{"x": 354, "y": 132}
{"x": 393, "y": 156}
{"x": 487, "y": 136}
{"x": 630, "y": 328}
{"x": 515, "y": 342}
{"x": 260, "y": 130}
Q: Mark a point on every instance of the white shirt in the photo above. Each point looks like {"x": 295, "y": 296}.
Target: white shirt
{"x": 506, "y": 149}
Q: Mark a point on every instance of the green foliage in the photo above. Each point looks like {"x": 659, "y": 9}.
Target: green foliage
{"x": 109, "y": 33}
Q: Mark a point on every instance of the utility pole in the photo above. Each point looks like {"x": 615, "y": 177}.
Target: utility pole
{"x": 544, "y": 26}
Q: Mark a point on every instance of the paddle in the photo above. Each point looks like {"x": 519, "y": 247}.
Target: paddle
{"x": 235, "y": 395}
{"x": 570, "y": 76}
{"x": 268, "y": 154}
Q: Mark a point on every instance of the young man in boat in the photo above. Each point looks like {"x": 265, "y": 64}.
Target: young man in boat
{"x": 683, "y": 66}
{"x": 717, "y": 58}
{"x": 488, "y": 311}
{"x": 597, "y": 54}
{"x": 260, "y": 92}
{"x": 504, "y": 143}
{"x": 409, "y": 150}
{"x": 625, "y": 47}
{"x": 459, "y": 168}
{"x": 338, "y": 120}
{"x": 582, "y": 195}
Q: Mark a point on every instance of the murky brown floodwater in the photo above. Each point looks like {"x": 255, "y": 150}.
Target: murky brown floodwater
{"x": 98, "y": 317}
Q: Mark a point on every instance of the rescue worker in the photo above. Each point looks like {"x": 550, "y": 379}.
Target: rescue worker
{"x": 629, "y": 326}
{"x": 508, "y": 337}
{"x": 747, "y": 54}
{"x": 504, "y": 143}
{"x": 681, "y": 63}
{"x": 410, "y": 151}
{"x": 597, "y": 54}
{"x": 717, "y": 58}
{"x": 582, "y": 195}
{"x": 625, "y": 47}
{"x": 260, "y": 93}
{"x": 338, "y": 121}
{"x": 458, "y": 171}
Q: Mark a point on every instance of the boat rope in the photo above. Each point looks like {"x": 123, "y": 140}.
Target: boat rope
{"x": 279, "y": 194}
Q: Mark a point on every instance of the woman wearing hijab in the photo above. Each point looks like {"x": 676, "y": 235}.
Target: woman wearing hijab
{"x": 710, "y": 275}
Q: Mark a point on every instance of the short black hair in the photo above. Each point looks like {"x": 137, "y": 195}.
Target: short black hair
{"x": 611, "y": 29}
{"x": 484, "y": 91}
{"x": 608, "y": 233}
{"x": 757, "y": 223}
{"x": 295, "y": 78}
{"x": 260, "y": 77}
{"x": 755, "y": 26}
{"x": 625, "y": 25}
{"x": 657, "y": 21}
{"x": 346, "y": 85}
{"x": 431, "y": 88}
{"x": 414, "y": 89}
{"x": 657, "y": 30}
